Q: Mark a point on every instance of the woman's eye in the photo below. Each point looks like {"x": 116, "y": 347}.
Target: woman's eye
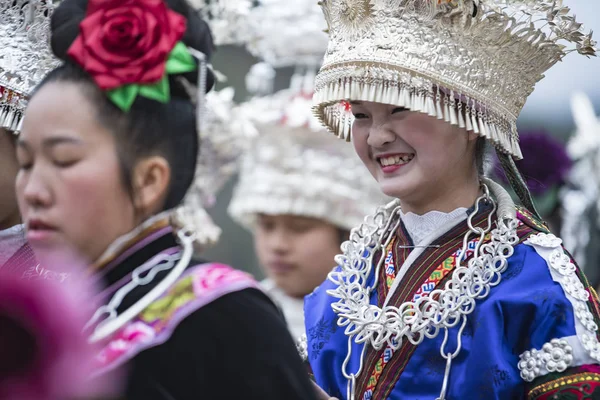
{"x": 64, "y": 163}
{"x": 360, "y": 116}
{"x": 300, "y": 228}
{"x": 399, "y": 110}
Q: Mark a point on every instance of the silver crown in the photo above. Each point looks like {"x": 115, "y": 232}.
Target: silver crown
{"x": 25, "y": 55}
{"x": 470, "y": 62}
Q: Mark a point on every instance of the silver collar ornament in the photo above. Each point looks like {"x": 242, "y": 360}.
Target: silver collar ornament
{"x": 436, "y": 312}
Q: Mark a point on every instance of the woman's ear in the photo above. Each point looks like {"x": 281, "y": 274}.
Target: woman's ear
{"x": 151, "y": 179}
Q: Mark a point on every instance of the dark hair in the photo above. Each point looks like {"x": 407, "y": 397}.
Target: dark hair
{"x": 482, "y": 155}
{"x": 150, "y": 127}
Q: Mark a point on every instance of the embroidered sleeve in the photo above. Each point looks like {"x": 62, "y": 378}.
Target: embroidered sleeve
{"x": 564, "y": 367}
{"x": 580, "y": 383}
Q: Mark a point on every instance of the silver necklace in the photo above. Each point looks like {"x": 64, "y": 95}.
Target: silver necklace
{"x": 106, "y": 320}
{"x": 425, "y": 317}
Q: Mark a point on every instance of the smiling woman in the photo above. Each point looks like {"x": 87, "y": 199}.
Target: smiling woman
{"x": 108, "y": 150}
{"x": 450, "y": 291}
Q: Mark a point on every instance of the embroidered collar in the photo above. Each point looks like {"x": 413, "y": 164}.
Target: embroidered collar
{"x": 420, "y": 227}
{"x": 425, "y": 317}
{"x": 123, "y": 245}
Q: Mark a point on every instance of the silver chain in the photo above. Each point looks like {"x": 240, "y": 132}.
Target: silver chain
{"x": 141, "y": 276}
{"x": 441, "y": 309}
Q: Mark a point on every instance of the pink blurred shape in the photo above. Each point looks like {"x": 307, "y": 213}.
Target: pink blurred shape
{"x": 44, "y": 354}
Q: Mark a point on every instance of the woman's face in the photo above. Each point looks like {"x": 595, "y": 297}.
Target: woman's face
{"x": 297, "y": 253}
{"x": 419, "y": 159}
{"x": 69, "y": 185}
{"x": 9, "y": 212}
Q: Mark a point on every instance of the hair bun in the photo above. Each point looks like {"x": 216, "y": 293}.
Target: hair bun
{"x": 69, "y": 14}
{"x": 197, "y": 36}
{"x": 64, "y": 26}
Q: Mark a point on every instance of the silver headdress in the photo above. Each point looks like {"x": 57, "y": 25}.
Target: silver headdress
{"x": 293, "y": 168}
{"x": 287, "y": 33}
{"x": 224, "y": 136}
{"x": 470, "y": 62}
{"x": 228, "y": 19}
{"x": 25, "y": 55}
{"x": 580, "y": 197}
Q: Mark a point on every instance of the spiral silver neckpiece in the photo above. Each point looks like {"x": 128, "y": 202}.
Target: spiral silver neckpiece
{"x": 442, "y": 309}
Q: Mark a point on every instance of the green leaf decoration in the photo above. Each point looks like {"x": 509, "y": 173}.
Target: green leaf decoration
{"x": 158, "y": 91}
{"x": 180, "y": 60}
{"x": 124, "y": 96}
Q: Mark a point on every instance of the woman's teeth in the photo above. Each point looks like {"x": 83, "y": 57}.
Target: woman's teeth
{"x": 396, "y": 160}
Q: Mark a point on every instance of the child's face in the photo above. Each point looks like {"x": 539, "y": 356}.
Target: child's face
{"x": 413, "y": 156}
{"x": 296, "y": 252}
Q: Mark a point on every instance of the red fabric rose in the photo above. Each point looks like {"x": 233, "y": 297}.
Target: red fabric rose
{"x": 126, "y": 41}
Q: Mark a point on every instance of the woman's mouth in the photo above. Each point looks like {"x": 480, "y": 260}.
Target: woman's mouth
{"x": 39, "y": 231}
{"x": 280, "y": 268}
{"x": 393, "y": 162}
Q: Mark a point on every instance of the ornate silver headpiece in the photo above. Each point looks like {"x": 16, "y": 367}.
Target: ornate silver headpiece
{"x": 277, "y": 37}
{"x": 228, "y": 19}
{"x": 470, "y": 62}
{"x": 293, "y": 168}
{"x": 25, "y": 55}
{"x": 224, "y": 137}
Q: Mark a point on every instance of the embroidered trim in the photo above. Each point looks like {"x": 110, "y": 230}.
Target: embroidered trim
{"x": 546, "y": 240}
{"x": 555, "y": 356}
{"x": 573, "y": 382}
{"x": 198, "y": 287}
{"x": 444, "y": 268}
{"x": 442, "y": 309}
{"x": 566, "y": 275}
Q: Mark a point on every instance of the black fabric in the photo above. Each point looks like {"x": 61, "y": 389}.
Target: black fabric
{"x": 236, "y": 347}
{"x": 125, "y": 267}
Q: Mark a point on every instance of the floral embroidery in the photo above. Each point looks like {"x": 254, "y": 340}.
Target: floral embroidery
{"x": 320, "y": 334}
{"x": 438, "y": 275}
{"x": 199, "y": 286}
{"x": 493, "y": 379}
{"x": 565, "y": 272}
{"x": 130, "y": 336}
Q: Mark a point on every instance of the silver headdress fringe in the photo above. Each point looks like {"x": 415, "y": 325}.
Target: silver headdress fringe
{"x": 25, "y": 55}
{"x": 472, "y": 63}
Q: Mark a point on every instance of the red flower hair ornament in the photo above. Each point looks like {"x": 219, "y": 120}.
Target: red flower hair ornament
{"x": 129, "y": 47}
